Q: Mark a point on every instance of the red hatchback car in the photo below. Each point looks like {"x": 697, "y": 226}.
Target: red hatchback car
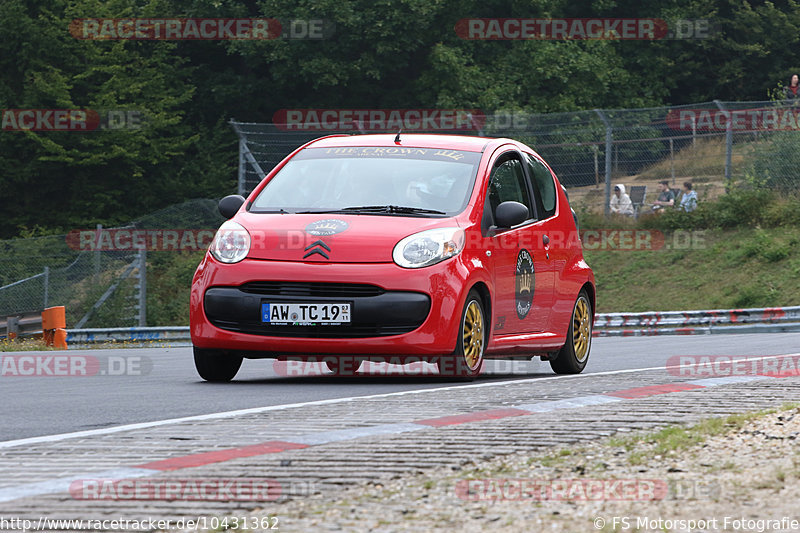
{"x": 442, "y": 248}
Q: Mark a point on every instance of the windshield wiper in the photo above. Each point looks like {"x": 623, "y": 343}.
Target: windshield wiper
{"x": 391, "y": 209}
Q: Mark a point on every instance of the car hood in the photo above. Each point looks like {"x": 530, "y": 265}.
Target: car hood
{"x": 331, "y": 238}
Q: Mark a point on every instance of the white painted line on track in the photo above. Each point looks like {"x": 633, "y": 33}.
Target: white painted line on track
{"x": 62, "y": 484}
{"x": 713, "y": 382}
{"x": 581, "y": 401}
{"x": 256, "y": 410}
{"x": 324, "y": 437}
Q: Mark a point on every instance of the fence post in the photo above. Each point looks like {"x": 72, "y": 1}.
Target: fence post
{"x": 241, "y": 182}
{"x": 609, "y": 147}
{"x": 97, "y": 234}
{"x": 12, "y": 327}
{"x": 142, "y": 267}
{"x": 672, "y": 160}
{"x": 728, "y": 143}
{"x": 46, "y": 285}
{"x": 245, "y": 157}
{"x": 596, "y": 167}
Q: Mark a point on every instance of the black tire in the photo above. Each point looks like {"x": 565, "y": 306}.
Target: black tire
{"x": 343, "y": 366}
{"x": 467, "y": 360}
{"x": 218, "y": 366}
{"x": 573, "y": 356}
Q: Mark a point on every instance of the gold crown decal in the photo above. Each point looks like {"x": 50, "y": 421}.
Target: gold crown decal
{"x": 327, "y": 225}
{"x": 525, "y": 281}
{"x": 450, "y": 153}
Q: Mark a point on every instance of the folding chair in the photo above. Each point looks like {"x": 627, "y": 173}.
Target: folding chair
{"x": 637, "y": 195}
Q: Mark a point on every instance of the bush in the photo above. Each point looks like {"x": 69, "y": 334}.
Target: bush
{"x": 740, "y": 208}
{"x": 776, "y": 164}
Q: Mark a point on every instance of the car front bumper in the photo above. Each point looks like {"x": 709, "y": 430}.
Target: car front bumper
{"x": 395, "y": 311}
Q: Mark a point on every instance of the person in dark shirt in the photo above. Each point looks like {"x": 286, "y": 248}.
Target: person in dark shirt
{"x": 666, "y": 198}
{"x": 792, "y": 91}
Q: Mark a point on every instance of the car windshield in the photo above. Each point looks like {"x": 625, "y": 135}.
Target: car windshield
{"x": 408, "y": 181}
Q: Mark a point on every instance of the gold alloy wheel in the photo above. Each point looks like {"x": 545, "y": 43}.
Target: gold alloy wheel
{"x": 472, "y": 334}
{"x": 581, "y": 329}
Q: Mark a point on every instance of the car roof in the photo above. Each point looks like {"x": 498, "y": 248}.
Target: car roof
{"x": 466, "y": 143}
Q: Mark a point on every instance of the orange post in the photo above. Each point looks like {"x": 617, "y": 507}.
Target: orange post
{"x": 54, "y": 323}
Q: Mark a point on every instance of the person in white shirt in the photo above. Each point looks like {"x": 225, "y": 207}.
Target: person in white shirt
{"x": 621, "y": 202}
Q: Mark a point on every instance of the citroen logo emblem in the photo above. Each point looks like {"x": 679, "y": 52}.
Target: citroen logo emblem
{"x": 316, "y": 247}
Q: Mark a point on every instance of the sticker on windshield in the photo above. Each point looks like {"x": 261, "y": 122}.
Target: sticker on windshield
{"x": 390, "y": 152}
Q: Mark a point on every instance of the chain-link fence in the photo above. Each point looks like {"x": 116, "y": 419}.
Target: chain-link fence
{"x": 712, "y": 144}
{"x": 97, "y": 273}
{"x": 102, "y": 275}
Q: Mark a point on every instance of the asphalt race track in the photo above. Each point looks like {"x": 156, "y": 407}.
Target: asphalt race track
{"x": 150, "y": 384}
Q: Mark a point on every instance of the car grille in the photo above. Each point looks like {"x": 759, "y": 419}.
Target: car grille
{"x": 375, "y": 312}
{"x": 311, "y": 289}
{"x": 315, "y": 332}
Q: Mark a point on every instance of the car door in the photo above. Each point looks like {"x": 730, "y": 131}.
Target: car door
{"x": 547, "y": 237}
{"x": 519, "y": 300}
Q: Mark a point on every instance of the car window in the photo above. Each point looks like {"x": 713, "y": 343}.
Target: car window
{"x": 544, "y": 186}
{"x": 508, "y": 184}
{"x": 327, "y": 179}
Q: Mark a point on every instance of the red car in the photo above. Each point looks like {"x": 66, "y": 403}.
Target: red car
{"x": 442, "y": 248}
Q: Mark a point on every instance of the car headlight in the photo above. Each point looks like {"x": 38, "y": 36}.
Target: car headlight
{"x": 428, "y": 247}
{"x": 231, "y": 244}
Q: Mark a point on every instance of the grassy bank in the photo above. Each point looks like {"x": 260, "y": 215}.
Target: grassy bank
{"x": 744, "y": 267}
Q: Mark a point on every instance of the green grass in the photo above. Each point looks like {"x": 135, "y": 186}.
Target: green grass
{"x": 23, "y": 345}
{"x": 641, "y": 448}
{"x": 746, "y": 267}
{"x": 675, "y": 439}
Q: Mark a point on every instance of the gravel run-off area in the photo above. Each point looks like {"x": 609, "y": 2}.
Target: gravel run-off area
{"x": 740, "y": 473}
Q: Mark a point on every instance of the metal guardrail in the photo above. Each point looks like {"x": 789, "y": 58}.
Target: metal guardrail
{"x": 691, "y": 318}
{"x": 792, "y": 327}
{"x": 715, "y": 321}
{"x": 705, "y": 322}
{"x": 21, "y": 324}
{"x": 99, "y": 335}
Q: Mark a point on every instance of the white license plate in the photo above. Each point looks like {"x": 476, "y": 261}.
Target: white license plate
{"x": 302, "y": 314}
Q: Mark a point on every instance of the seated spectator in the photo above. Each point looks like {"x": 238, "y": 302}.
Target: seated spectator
{"x": 689, "y": 198}
{"x": 666, "y": 198}
{"x": 621, "y": 202}
{"x": 792, "y": 91}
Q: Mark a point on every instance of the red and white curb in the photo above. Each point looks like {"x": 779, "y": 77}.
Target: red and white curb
{"x": 62, "y": 484}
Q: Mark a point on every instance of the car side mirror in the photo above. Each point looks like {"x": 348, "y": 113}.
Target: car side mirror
{"x": 509, "y": 214}
{"x": 229, "y": 205}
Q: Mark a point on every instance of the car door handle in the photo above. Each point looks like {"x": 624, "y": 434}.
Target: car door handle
{"x": 546, "y": 240}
